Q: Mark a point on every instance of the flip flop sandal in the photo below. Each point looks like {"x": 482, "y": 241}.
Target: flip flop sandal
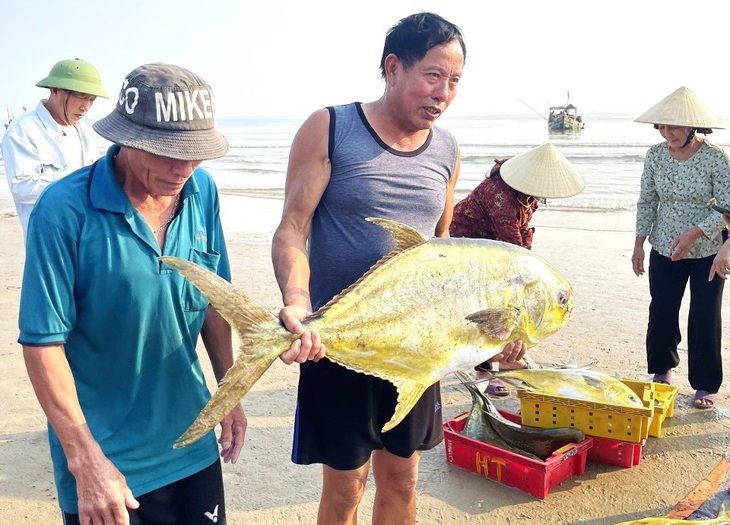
{"x": 496, "y": 387}
{"x": 704, "y": 400}
{"x": 664, "y": 379}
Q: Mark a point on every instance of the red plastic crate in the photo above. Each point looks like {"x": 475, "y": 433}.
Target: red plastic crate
{"x": 615, "y": 452}
{"x": 529, "y": 475}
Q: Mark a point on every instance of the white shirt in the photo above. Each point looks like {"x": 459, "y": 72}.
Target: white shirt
{"x": 38, "y": 151}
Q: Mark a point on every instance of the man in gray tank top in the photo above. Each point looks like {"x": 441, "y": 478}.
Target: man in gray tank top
{"x": 380, "y": 159}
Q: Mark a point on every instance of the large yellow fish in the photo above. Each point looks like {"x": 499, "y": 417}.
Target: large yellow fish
{"x": 575, "y": 383}
{"x": 428, "y": 308}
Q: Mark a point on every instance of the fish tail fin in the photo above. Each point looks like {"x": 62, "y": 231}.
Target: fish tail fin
{"x": 478, "y": 397}
{"x": 465, "y": 379}
{"x": 470, "y": 385}
{"x": 262, "y": 340}
{"x": 235, "y": 384}
{"x": 408, "y": 395}
{"x": 237, "y": 308}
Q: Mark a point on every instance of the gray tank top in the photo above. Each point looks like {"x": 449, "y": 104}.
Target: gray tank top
{"x": 370, "y": 179}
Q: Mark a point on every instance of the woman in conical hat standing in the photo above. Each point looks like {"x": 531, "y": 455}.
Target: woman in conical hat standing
{"x": 681, "y": 174}
{"x": 502, "y": 205}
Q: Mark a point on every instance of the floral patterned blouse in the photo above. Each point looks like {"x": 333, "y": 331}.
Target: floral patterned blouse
{"x": 493, "y": 210}
{"x": 674, "y": 196}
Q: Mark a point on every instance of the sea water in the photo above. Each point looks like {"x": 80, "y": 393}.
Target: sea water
{"x": 608, "y": 153}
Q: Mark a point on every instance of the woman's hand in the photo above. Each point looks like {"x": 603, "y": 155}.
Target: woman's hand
{"x": 721, "y": 264}
{"x": 684, "y": 242}
{"x": 637, "y": 260}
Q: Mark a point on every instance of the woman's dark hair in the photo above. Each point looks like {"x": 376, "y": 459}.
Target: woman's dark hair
{"x": 704, "y": 131}
{"x": 413, "y": 36}
{"x": 495, "y": 169}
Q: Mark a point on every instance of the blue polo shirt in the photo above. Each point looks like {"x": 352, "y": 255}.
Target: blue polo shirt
{"x": 129, "y": 324}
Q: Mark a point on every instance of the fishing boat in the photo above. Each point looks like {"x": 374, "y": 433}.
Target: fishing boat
{"x": 565, "y": 118}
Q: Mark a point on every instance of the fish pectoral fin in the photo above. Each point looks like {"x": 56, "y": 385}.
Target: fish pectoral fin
{"x": 498, "y": 323}
{"x": 409, "y": 393}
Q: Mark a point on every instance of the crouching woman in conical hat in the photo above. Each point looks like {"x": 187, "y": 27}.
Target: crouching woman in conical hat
{"x": 502, "y": 205}
{"x": 681, "y": 174}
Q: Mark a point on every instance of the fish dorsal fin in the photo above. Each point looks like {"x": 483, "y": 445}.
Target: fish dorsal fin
{"x": 498, "y": 323}
{"x": 405, "y": 237}
{"x": 594, "y": 382}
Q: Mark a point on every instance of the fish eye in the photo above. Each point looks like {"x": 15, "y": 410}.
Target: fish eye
{"x": 562, "y": 299}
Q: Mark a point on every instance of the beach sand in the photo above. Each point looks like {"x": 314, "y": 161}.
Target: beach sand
{"x": 591, "y": 248}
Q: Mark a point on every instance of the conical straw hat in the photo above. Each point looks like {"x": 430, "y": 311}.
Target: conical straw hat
{"x": 542, "y": 172}
{"x": 681, "y": 108}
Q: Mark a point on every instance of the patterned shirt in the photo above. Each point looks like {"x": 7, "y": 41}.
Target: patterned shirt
{"x": 674, "y": 196}
{"x": 494, "y": 210}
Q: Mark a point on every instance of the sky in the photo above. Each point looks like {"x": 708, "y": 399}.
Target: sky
{"x": 289, "y": 58}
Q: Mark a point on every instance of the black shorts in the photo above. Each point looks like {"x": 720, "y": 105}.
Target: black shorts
{"x": 340, "y": 413}
{"x": 195, "y": 500}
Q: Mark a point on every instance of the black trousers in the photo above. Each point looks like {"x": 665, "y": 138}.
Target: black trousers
{"x": 195, "y": 500}
{"x": 667, "y": 284}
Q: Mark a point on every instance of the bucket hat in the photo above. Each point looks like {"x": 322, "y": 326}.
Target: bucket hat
{"x": 542, "y": 172}
{"x": 165, "y": 110}
{"x": 75, "y": 75}
{"x": 681, "y": 108}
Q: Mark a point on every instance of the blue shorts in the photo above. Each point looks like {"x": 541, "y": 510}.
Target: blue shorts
{"x": 340, "y": 413}
{"x": 195, "y": 500}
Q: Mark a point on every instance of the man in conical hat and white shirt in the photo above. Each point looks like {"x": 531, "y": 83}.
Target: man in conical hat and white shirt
{"x": 51, "y": 141}
{"x": 681, "y": 174}
{"x": 502, "y": 205}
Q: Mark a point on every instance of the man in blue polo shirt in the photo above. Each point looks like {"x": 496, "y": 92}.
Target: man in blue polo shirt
{"x": 109, "y": 332}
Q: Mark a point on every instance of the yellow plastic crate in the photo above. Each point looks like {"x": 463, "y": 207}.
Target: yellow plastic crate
{"x": 646, "y": 390}
{"x": 657, "y": 396}
{"x": 607, "y": 420}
